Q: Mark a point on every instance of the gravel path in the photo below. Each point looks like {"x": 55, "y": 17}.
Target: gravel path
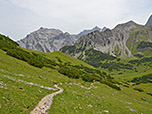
{"x": 46, "y": 102}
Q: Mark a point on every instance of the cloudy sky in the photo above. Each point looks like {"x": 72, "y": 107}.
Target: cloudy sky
{"x": 20, "y": 17}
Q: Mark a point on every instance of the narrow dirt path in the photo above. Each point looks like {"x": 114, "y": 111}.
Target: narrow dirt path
{"x": 46, "y": 102}
{"x": 79, "y": 84}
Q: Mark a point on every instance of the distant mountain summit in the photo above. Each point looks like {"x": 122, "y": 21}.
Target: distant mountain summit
{"x": 112, "y": 42}
{"x": 96, "y": 28}
{"x": 47, "y": 40}
{"x": 149, "y": 22}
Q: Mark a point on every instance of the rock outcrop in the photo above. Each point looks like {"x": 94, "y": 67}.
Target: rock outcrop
{"x": 112, "y": 42}
{"x": 96, "y": 28}
{"x": 46, "y": 40}
{"x": 49, "y": 40}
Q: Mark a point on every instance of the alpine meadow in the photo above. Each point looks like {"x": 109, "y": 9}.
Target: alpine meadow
{"x": 96, "y": 71}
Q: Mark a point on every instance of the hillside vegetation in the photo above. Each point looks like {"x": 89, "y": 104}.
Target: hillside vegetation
{"x": 27, "y": 76}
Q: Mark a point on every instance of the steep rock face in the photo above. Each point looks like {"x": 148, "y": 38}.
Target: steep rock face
{"x": 47, "y": 40}
{"x": 121, "y": 33}
{"x": 112, "y": 42}
{"x": 149, "y": 22}
{"x": 140, "y": 41}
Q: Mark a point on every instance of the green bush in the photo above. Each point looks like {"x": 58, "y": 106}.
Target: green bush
{"x": 116, "y": 66}
{"x": 110, "y": 84}
{"x": 145, "y": 60}
{"x": 70, "y": 72}
{"x": 144, "y": 79}
{"x": 149, "y": 93}
{"x": 144, "y": 44}
{"x": 74, "y": 72}
{"x": 138, "y": 89}
{"x": 88, "y": 78}
{"x": 94, "y": 57}
{"x": 59, "y": 60}
{"x": 80, "y": 72}
{"x": 6, "y": 43}
{"x": 25, "y": 56}
{"x": 138, "y": 55}
{"x": 70, "y": 49}
{"x": 47, "y": 62}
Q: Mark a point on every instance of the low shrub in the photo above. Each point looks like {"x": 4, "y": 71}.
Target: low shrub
{"x": 7, "y": 43}
{"x": 144, "y": 79}
{"x": 25, "y": 56}
{"x": 110, "y": 84}
{"x": 139, "y": 89}
{"x": 149, "y": 93}
{"x": 77, "y": 72}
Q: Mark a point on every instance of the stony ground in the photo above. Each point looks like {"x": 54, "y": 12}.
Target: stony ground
{"x": 46, "y": 102}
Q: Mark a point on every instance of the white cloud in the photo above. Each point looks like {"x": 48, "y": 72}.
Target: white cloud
{"x": 75, "y": 15}
{"x": 76, "y": 11}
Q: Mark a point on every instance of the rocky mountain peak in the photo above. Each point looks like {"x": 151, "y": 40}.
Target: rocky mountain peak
{"x": 108, "y": 41}
{"x": 149, "y": 22}
{"x": 126, "y": 26}
{"x": 44, "y": 33}
{"x": 96, "y": 28}
{"x": 46, "y": 40}
{"x": 41, "y": 27}
{"x": 49, "y": 40}
{"x": 66, "y": 33}
{"x": 104, "y": 28}
{"x": 85, "y": 32}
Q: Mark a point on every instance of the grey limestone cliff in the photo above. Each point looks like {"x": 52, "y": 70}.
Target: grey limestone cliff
{"x": 49, "y": 40}
{"x": 46, "y": 40}
{"x": 112, "y": 42}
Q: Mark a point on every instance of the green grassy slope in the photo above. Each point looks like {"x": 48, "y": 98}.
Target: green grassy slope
{"x": 74, "y": 99}
{"x": 18, "y": 96}
{"x": 13, "y": 99}
{"x": 64, "y": 58}
{"x": 78, "y": 100}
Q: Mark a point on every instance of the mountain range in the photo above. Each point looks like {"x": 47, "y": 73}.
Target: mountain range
{"x": 111, "y": 72}
{"x": 46, "y": 40}
{"x": 49, "y": 40}
{"x": 115, "y": 42}
{"x": 121, "y": 41}
{"x": 85, "y": 32}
